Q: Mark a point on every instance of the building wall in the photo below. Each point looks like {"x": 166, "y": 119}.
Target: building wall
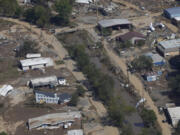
{"x": 41, "y": 97}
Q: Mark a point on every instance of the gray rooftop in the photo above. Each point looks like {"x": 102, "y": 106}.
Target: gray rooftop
{"x": 113, "y": 22}
{"x": 155, "y": 57}
{"x": 170, "y": 43}
{"x": 175, "y": 11}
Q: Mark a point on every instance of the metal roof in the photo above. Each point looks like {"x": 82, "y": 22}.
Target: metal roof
{"x": 36, "y": 61}
{"x": 5, "y": 89}
{"x": 75, "y": 132}
{"x": 170, "y": 43}
{"x": 33, "y": 55}
{"x": 84, "y": 1}
{"x": 44, "y": 81}
{"x": 113, "y": 22}
{"x": 53, "y": 119}
{"x": 174, "y": 113}
{"x": 174, "y": 12}
{"x": 155, "y": 57}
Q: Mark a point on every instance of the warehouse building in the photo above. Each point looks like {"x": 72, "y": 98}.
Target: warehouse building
{"x": 174, "y": 115}
{"x": 156, "y": 58}
{"x": 115, "y": 23}
{"x": 169, "y": 48}
{"x": 51, "y": 98}
{"x": 54, "y": 120}
{"x": 36, "y": 63}
{"x": 172, "y": 12}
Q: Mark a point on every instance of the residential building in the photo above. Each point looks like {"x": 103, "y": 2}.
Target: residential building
{"x": 51, "y": 98}
{"x": 174, "y": 115}
{"x": 133, "y": 37}
{"x": 169, "y": 48}
{"x": 115, "y": 23}
{"x": 54, "y": 120}
{"x": 156, "y": 58}
{"x": 36, "y": 63}
{"x": 172, "y": 12}
{"x": 75, "y": 132}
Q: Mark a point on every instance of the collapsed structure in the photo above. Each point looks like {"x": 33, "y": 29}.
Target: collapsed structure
{"x": 54, "y": 120}
{"x": 36, "y": 63}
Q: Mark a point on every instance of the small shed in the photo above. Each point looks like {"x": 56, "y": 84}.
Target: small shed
{"x": 83, "y": 1}
{"x": 36, "y": 63}
{"x": 33, "y": 55}
{"x": 156, "y": 58}
{"x": 62, "y": 81}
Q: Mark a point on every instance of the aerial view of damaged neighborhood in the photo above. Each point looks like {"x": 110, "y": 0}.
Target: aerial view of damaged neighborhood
{"x": 89, "y": 67}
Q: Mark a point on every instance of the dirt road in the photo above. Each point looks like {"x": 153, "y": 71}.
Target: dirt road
{"x": 119, "y": 62}
{"x": 58, "y": 47}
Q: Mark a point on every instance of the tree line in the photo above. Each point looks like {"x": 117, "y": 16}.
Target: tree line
{"x": 40, "y": 14}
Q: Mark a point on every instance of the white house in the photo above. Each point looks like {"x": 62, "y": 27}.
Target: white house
{"x": 75, "y": 132}
{"x": 174, "y": 115}
{"x": 36, "y": 63}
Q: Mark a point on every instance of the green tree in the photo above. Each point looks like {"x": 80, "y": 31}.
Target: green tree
{"x": 177, "y": 129}
{"x": 3, "y": 133}
{"x": 64, "y": 9}
{"x": 142, "y": 63}
{"x": 80, "y": 90}
{"x": 126, "y": 44}
{"x": 27, "y": 47}
{"x": 38, "y": 15}
{"x": 9, "y": 8}
{"x": 149, "y": 117}
{"x": 74, "y": 99}
{"x": 174, "y": 83}
{"x": 115, "y": 113}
